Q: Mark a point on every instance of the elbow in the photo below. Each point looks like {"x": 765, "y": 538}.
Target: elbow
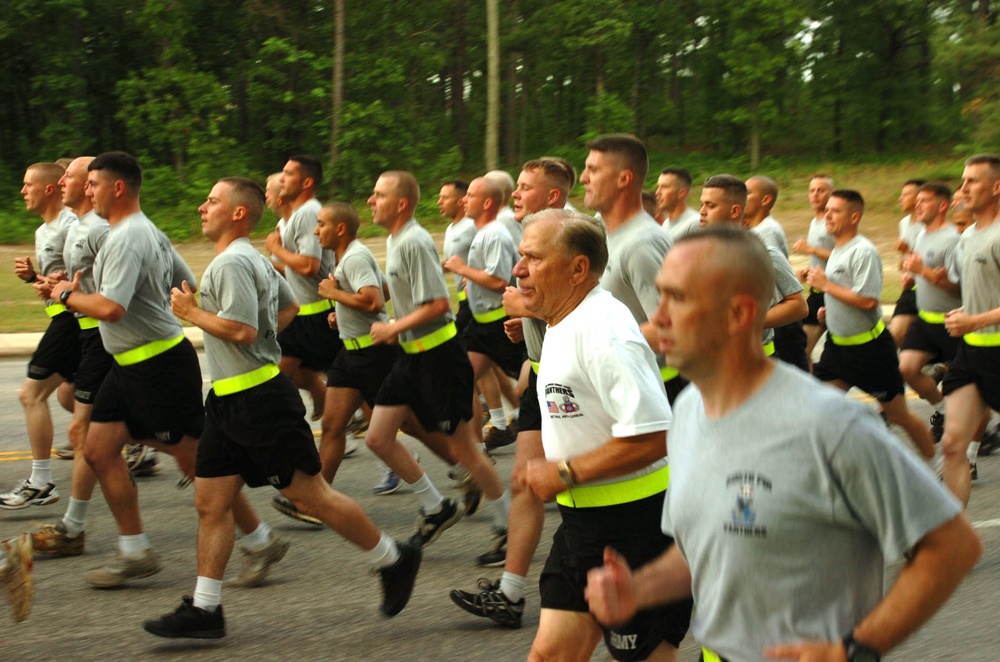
{"x": 113, "y": 314}
{"x": 245, "y": 336}
{"x": 441, "y": 306}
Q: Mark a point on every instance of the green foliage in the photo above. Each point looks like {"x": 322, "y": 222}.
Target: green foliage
{"x": 606, "y": 113}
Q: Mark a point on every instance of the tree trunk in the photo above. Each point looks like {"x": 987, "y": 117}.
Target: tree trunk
{"x": 510, "y": 121}
{"x": 338, "y": 78}
{"x": 458, "y": 82}
{"x": 492, "y": 84}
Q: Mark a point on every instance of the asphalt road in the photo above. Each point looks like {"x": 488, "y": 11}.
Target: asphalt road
{"x": 320, "y": 603}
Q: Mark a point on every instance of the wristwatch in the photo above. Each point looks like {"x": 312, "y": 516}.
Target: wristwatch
{"x": 64, "y": 296}
{"x": 566, "y": 474}
{"x": 858, "y": 652}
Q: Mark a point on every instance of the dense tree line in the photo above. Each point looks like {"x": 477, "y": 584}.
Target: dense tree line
{"x": 194, "y": 86}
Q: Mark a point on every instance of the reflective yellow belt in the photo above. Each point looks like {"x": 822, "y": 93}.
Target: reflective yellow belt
{"x": 147, "y": 351}
{"x": 667, "y": 373}
{"x": 534, "y": 366}
{"x": 931, "y": 318}
{"x": 611, "y": 494}
{"x": 769, "y": 348}
{"x": 358, "y": 343}
{"x": 982, "y": 339}
{"x": 87, "y": 322}
{"x": 247, "y": 380}
{"x": 860, "y": 338}
{"x": 314, "y": 308}
{"x": 55, "y": 309}
{"x": 492, "y": 316}
{"x": 709, "y": 656}
{"x": 462, "y": 296}
{"x": 431, "y": 340}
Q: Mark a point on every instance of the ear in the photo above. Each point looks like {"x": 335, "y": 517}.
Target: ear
{"x": 625, "y": 178}
{"x": 119, "y": 188}
{"x": 579, "y": 269}
{"x": 736, "y": 211}
{"x": 239, "y": 214}
{"x": 767, "y": 200}
{"x": 742, "y": 312}
{"x": 552, "y": 198}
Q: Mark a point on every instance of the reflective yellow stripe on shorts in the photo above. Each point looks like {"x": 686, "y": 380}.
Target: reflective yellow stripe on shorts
{"x": 314, "y": 308}
{"x": 358, "y": 343}
{"x": 462, "y": 296}
{"x": 87, "y": 323}
{"x": 492, "y": 316}
{"x": 247, "y": 380}
{"x": 667, "y": 373}
{"x": 431, "y": 340}
{"x": 147, "y": 351}
{"x": 860, "y": 338}
{"x": 709, "y": 656}
{"x": 55, "y": 309}
{"x": 769, "y": 348}
{"x": 982, "y": 339}
{"x": 611, "y": 494}
{"x": 931, "y": 318}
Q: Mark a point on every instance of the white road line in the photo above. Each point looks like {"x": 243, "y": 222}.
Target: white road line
{"x": 987, "y": 524}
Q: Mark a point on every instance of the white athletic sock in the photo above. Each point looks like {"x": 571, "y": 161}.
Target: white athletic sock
{"x": 133, "y": 545}
{"x": 501, "y": 510}
{"x": 513, "y": 586}
{"x": 207, "y": 593}
{"x": 430, "y": 499}
{"x": 76, "y": 517}
{"x": 41, "y": 473}
{"x": 498, "y": 418}
{"x": 939, "y": 408}
{"x": 385, "y": 553}
{"x": 972, "y": 452}
{"x": 515, "y": 412}
{"x": 256, "y": 541}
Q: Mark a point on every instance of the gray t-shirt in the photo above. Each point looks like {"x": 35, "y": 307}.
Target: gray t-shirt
{"x": 413, "y": 269}
{"x": 936, "y": 250}
{"x": 787, "y": 510}
{"x": 241, "y": 286}
{"x": 635, "y": 254}
{"x": 686, "y": 223}
{"x": 909, "y": 229}
{"x": 299, "y": 236}
{"x": 494, "y": 252}
{"x": 50, "y": 242}
{"x": 534, "y": 336}
{"x": 516, "y": 230}
{"x": 981, "y": 272}
{"x": 772, "y": 234}
{"x": 818, "y": 238}
{"x": 83, "y": 240}
{"x": 857, "y": 266}
{"x": 457, "y": 239}
{"x": 786, "y": 283}
{"x": 357, "y": 269}
{"x": 135, "y": 269}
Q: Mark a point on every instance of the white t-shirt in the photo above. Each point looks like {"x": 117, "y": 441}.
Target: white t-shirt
{"x": 597, "y": 380}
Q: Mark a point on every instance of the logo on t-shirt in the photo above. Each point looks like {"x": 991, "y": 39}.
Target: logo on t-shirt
{"x": 560, "y": 403}
{"x": 743, "y": 517}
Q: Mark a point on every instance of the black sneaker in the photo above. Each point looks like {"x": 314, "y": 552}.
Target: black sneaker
{"x": 472, "y": 496}
{"x": 430, "y": 527}
{"x": 497, "y": 554}
{"x": 973, "y": 471}
{"x": 398, "y": 579}
{"x": 990, "y": 442}
{"x": 937, "y": 426}
{"x": 190, "y": 622}
{"x": 490, "y": 603}
{"x": 497, "y": 438}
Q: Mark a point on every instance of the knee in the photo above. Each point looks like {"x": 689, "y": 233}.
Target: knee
{"x": 77, "y": 433}
{"x": 28, "y": 395}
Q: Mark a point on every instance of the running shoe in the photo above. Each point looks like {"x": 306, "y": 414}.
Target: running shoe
{"x": 496, "y": 556}
{"x": 16, "y": 578}
{"x": 390, "y": 483}
{"x": 54, "y": 540}
{"x": 188, "y": 621}
{"x": 257, "y": 564}
{"x": 285, "y": 506}
{"x": 990, "y": 442}
{"x": 497, "y": 438}
{"x": 398, "y": 579}
{"x": 124, "y": 568}
{"x": 472, "y": 496}
{"x": 973, "y": 471}
{"x": 937, "y": 426}
{"x": 66, "y": 452}
{"x": 491, "y": 603}
{"x": 26, "y": 494}
{"x": 430, "y": 527}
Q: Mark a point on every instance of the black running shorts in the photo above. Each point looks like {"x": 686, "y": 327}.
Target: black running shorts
{"x": 310, "y": 339}
{"x": 975, "y": 365}
{"x": 932, "y": 339}
{"x": 873, "y": 367}
{"x": 95, "y": 363}
{"x": 491, "y": 340}
{"x": 58, "y": 351}
{"x": 159, "y": 398}
{"x": 363, "y": 370}
{"x": 260, "y": 433}
{"x": 633, "y": 529}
